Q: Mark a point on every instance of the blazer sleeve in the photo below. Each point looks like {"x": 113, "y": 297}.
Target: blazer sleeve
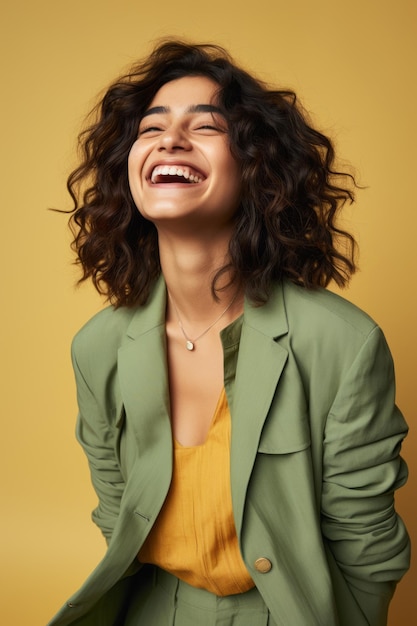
{"x": 362, "y": 468}
{"x": 98, "y": 439}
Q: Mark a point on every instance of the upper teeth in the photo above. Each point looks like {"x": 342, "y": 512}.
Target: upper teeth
{"x": 174, "y": 170}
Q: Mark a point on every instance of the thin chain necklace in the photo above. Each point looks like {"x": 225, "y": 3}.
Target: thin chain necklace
{"x": 190, "y": 343}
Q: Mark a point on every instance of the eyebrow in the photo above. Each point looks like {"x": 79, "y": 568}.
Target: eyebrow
{"x": 193, "y": 108}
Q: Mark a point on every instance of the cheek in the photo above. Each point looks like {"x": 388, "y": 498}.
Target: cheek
{"x": 135, "y": 163}
{"x": 133, "y": 158}
{"x": 132, "y": 181}
{"x": 232, "y": 179}
{"x": 131, "y": 164}
{"x": 137, "y": 157}
{"x": 229, "y": 167}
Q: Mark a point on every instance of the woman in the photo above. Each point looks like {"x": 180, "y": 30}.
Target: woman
{"x": 238, "y": 419}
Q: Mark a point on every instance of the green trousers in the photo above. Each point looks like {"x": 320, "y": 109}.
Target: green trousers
{"x": 167, "y": 601}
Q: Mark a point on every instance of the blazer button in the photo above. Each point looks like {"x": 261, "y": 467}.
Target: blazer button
{"x": 263, "y": 565}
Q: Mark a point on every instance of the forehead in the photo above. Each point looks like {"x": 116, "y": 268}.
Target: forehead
{"x": 185, "y": 92}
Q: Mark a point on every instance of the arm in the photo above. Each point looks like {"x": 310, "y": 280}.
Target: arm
{"x": 361, "y": 470}
{"x": 97, "y": 437}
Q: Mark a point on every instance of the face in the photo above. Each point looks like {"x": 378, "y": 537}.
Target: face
{"x": 181, "y": 170}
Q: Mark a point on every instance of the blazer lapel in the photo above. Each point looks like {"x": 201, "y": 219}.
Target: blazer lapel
{"x": 143, "y": 379}
{"x": 143, "y": 371}
{"x": 144, "y": 386}
{"x": 260, "y": 363}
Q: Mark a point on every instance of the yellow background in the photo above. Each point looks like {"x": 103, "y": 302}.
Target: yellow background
{"x": 352, "y": 63}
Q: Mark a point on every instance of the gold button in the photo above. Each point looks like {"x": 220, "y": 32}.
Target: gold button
{"x": 263, "y": 565}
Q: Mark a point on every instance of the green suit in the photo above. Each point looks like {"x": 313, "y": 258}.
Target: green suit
{"x": 314, "y": 454}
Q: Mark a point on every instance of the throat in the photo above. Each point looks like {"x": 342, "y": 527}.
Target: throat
{"x": 171, "y": 179}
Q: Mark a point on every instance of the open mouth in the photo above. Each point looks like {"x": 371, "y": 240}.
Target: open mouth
{"x": 175, "y": 174}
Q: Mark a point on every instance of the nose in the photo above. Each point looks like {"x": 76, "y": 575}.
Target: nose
{"x": 174, "y": 138}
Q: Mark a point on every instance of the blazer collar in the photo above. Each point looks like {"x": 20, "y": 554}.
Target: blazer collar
{"x": 269, "y": 319}
{"x": 143, "y": 376}
{"x": 261, "y": 360}
{"x": 152, "y": 314}
{"x": 260, "y": 363}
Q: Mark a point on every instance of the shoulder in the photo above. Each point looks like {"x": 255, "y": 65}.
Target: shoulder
{"x": 102, "y": 335}
{"x": 96, "y": 344}
{"x": 328, "y": 333}
{"x": 332, "y": 340}
{"x": 323, "y": 310}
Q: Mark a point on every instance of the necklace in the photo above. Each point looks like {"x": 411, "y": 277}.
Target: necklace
{"x": 190, "y": 343}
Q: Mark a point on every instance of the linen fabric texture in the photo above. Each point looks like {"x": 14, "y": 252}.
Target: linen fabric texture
{"x": 315, "y": 454}
{"x": 167, "y": 601}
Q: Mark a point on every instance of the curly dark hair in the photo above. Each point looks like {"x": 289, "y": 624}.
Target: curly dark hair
{"x": 285, "y": 226}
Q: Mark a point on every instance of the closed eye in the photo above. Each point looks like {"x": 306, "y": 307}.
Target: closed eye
{"x": 149, "y": 129}
{"x": 210, "y": 128}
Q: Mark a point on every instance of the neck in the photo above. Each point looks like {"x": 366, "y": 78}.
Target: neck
{"x": 188, "y": 268}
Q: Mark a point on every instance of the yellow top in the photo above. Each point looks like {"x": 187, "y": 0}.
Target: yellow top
{"x": 194, "y": 536}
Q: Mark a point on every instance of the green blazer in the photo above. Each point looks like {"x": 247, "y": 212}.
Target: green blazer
{"x": 314, "y": 455}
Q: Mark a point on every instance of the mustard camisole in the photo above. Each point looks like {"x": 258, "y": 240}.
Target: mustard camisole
{"x": 194, "y": 536}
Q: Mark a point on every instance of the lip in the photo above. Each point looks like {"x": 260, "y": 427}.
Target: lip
{"x": 171, "y": 162}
